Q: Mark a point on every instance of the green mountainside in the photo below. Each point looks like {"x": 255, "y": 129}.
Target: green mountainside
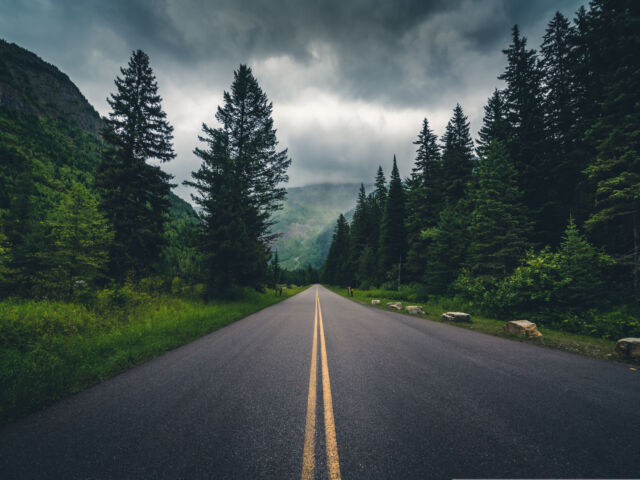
{"x": 306, "y": 222}
{"x": 49, "y": 132}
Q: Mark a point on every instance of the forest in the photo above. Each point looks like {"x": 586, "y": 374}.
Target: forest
{"x": 538, "y": 218}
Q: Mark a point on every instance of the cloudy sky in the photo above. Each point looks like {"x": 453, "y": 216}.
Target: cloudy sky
{"x": 350, "y": 80}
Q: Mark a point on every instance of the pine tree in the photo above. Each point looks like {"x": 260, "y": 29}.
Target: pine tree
{"x": 424, "y": 200}
{"x": 239, "y": 185}
{"x": 392, "y": 230}
{"x": 498, "y": 226}
{"x": 359, "y": 232}
{"x": 495, "y": 125}
{"x": 276, "y": 269}
{"x": 78, "y": 243}
{"x": 135, "y": 194}
{"x": 457, "y": 156}
{"x": 448, "y": 243}
{"x": 566, "y": 155}
{"x": 336, "y": 269}
{"x": 527, "y": 144}
{"x": 229, "y": 251}
{"x": 616, "y": 132}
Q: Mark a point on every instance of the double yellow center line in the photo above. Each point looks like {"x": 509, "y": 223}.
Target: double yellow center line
{"x": 308, "y": 455}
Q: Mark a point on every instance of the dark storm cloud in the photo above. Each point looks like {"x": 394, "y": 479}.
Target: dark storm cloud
{"x": 380, "y": 65}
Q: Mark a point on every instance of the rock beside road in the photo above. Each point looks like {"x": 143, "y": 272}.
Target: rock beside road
{"x": 456, "y": 317}
{"x": 415, "y": 310}
{"x": 375, "y": 302}
{"x": 523, "y": 328}
{"x": 395, "y": 305}
{"x": 628, "y": 348}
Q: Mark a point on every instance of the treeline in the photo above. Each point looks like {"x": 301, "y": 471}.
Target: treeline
{"x": 69, "y": 227}
{"x": 542, "y": 215}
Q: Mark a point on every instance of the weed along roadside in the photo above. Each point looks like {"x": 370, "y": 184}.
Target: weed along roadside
{"x": 49, "y": 350}
{"x": 588, "y": 346}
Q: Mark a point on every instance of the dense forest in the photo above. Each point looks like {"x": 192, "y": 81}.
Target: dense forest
{"x": 85, "y": 205}
{"x": 541, "y": 216}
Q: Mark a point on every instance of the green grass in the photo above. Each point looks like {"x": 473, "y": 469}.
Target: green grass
{"x": 581, "y": 344}
{"x": 49, "y": 350}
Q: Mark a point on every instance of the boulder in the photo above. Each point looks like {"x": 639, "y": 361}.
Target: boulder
{"x": 628, "y": 348}
{"x": 415, "y": 310}
{"x": 375, "y": 302}
{"x": 524, "y": 328}
{"x": 456, "y": 317}
{"x": 395, "y": 305}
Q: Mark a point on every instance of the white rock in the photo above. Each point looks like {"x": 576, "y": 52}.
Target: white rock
{"x": 521, "y": 327}
{"x": 375, "y": 302}
{"x": 456, "y": 317}
{"x": 395, "y": 305}
{"x": 415, "y": 310}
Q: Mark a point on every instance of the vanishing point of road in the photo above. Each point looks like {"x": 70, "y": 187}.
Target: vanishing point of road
{"x": 320, "y": 387}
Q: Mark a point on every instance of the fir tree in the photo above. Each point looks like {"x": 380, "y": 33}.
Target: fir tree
{"x": 239, "y": 185}
{"x": 616, "y": 132}
{"x": 457, "y": 156}
{"x": 424, "y": 200}
{"x": 495, "y": 125}
{"x": 498, "y": 226}
{"x": 276, "y": 269}
{"x": 336, "y": 269}
{"x": 135, "y": 194}
{"x": 448, "y": 243}
{"x": 392, "y": 229}
{"x": 527, "y": 142}
{"x": 359, "y": 232}
{"x": 78, "y": 243}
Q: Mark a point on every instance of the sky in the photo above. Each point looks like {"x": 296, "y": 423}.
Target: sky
{"x": 350, "y": 81}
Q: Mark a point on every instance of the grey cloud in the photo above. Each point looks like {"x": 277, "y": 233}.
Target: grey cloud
{"x": 402, "y": 60}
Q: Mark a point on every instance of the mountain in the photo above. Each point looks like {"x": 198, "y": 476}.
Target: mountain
{"x": 48, "y": 129}
{"x": 307, "y": 219}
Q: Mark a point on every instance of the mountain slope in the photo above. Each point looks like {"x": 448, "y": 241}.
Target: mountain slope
{"x": 306, "y": 222}
{"x": 48, "y": 130}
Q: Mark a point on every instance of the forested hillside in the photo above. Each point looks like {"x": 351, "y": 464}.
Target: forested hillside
{"x": 306, "y": 221}
{"x": 50, "y": 145}
{"x": 540, "y": 216}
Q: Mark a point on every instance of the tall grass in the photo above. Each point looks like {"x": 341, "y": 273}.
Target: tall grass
{"x": 52, "y": 349}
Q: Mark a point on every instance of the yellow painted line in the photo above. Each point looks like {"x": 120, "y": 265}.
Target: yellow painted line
{"x": 333, "y": 462}
{"x": 308, "y": 455}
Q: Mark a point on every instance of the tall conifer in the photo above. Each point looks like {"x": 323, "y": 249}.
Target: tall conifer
{"x": 135, "y": 194}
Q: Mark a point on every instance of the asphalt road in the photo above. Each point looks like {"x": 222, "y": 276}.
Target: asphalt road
{"x": 388, "y": 396}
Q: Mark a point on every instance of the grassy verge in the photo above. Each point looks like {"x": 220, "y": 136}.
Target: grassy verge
{"x": 581, "y": 344}
{"x": 49, "y": 350}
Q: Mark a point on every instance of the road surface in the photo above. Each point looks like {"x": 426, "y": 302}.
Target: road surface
{"x": 320, "y": 387}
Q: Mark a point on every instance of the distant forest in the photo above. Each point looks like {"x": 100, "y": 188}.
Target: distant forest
{"x": 541, "y": 216}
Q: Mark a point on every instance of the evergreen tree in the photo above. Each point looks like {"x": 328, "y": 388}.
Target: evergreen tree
{"x": 616, "y": 132}
{"x": 457, "y": 156}
{"x": 392, "y": 230}
{"x": 230, "y": 254}
{"x": 78, "y": 243}
{"x": 276, "y": 269}
{"x": 527, "y": 143}
{"x": 239, "y": 185}
{"x": 336, "y": 269}
{"x": 359, "y": 232}
{"x": 380, "y": 191}
{"x": 424, "y": 200}
{"x": 448, "y": 243}
{"x": 498, "y": 226}
{"x": 135, "y": 194}
{"x": 565, "y": 155}
{"x": 495, "y": 125}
